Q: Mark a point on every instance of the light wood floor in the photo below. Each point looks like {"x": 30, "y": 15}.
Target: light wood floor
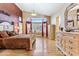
{"x": 42, "y": 47}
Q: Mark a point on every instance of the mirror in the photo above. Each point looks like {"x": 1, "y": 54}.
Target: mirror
{"x": 72, "y": 17}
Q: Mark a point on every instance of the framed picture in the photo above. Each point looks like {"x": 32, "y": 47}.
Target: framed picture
{"x": 70, "y": 23}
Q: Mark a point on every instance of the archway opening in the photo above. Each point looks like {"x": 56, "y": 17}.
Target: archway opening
{"x": 38, "y": 26}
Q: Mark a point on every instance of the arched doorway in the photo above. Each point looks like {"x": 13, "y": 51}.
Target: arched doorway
{"x": 37, "y": 26}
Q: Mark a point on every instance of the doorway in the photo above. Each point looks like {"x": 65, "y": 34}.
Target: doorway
{"x": 38, "y": 26}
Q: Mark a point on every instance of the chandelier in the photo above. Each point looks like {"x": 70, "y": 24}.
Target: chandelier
{"x": 33, "y": 13}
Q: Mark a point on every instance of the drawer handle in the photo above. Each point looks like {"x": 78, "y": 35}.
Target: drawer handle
{"x": 70, "y": 47}
{"x": 70, "y": 41}
{"x": 71, "y": 54}
{"x": 74, "y": 37}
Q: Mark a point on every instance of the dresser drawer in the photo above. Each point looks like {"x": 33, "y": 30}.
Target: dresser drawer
{"x": 69, "y": 43}
{"x": 74, "y": 48}
{"x": 74, "y": 44}
{"x": 74, "y": 53}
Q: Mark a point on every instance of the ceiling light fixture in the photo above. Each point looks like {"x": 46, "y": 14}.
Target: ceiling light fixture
{"x": 33, "y": 13}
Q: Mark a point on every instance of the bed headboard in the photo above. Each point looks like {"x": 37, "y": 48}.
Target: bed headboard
{"x": 6, "y": 22}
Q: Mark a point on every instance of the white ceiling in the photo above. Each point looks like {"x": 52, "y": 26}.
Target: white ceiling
{"x": 41, "y": 8}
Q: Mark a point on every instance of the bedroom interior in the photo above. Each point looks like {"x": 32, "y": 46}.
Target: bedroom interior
{"x": 48, "y": 32}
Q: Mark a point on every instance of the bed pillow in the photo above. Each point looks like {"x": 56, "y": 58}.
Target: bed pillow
{"x": 4, "y": 34}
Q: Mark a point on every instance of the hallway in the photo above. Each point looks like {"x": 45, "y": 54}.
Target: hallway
{"x": 42, "y": 47}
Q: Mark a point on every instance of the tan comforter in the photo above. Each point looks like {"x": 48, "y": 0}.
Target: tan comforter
{"x": 19, "y": 41}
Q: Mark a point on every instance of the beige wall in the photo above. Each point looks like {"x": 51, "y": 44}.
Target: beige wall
{"x": 61, "y": 14}
{"x": 25, "y": 15}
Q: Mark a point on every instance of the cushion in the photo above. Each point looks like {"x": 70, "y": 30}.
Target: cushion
{"x": 4, "y": 34}
{"x": 12, "y": 33}
{"x": 0, "y": 36}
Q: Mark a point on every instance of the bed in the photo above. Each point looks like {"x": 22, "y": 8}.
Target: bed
{"x": 21, "y": 41}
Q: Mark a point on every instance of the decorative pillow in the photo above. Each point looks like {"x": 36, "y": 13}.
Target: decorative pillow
{"x": 7, "y": 32}
{"x": 4, "y": 34}
{"x": 11, "y": 33}
{"x": 0, "y": 36}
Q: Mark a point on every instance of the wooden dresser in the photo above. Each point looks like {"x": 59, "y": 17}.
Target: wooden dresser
{"x": 68, "y": 43}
